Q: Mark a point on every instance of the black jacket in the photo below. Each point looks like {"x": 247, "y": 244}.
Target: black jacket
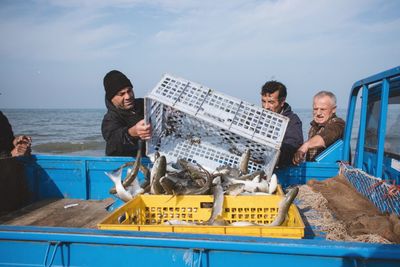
{"x": 6, "y": 137}
{"x": 293, "y": 138}
{"x": 115, "y": 125}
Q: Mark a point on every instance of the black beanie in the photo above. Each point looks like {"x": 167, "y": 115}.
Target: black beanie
{"x": 114, "y": 81}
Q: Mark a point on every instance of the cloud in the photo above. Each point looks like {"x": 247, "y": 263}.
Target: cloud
{"x": 69, "y": 36}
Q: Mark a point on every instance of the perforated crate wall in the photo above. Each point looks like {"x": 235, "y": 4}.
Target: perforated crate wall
{"x": 193, "y": 122}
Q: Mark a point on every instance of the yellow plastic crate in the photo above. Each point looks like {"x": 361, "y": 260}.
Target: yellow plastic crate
{"x": 152, "y": 212}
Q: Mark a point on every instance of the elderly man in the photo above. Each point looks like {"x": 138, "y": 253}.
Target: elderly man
{"x": 273, "y": 98}
{"x": 123, "y": 125}
{"x": 325, "y": 129}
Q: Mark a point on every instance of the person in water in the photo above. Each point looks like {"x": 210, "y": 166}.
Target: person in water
{"x": 123, "y": 124}
{"x": 273, "y": 98}
{"x": 10, "y": 145}
{"x": 325, "y": 129}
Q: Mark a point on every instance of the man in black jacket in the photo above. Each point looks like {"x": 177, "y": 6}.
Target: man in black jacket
{"x": 273, "y": 98}
{"x": 123, "y": 124}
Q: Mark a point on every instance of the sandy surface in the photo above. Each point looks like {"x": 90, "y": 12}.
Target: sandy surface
{"x": 338, "y": 209}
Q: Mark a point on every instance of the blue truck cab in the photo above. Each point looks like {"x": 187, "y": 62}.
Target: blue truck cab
{"x": 376, "y": 152}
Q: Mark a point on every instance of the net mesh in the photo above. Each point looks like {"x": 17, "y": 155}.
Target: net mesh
{"x": 384, "y": 195}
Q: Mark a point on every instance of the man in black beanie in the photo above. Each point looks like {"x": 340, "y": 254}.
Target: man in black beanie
{"x": 123, "y": 124}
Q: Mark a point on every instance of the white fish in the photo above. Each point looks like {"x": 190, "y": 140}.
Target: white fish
{"x": 244, "y": 162}
{"x": 116, "y": 178}
{"x": 217, "y": 204}
{"x": 255, "y": 185}
{"x": 178, "y": 222}
{"x": 243, "y": 223}
{"x": 134, "y": 188}
{"x": 273, "y": 184}
{"x": 284, "y": 207}
{"x": 254, "y": 194}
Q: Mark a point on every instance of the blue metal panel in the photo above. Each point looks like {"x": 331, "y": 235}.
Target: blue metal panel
{"x": 331, "y": 154}
{"x": 349, "y": 123}
{"x": 361, "y": 132}
{"x": 72, "y": 176}
{"x": 382, "y": 127}
{"x": 306, "y": 171}
{"x": 84, "y": 247}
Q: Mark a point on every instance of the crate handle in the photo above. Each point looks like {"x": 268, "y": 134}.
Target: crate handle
{"x": 206, "y": 205}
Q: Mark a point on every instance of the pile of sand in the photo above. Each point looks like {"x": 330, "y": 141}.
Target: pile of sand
{"x": 337, "y": 209}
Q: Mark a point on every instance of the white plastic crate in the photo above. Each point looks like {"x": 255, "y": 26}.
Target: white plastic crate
{"x": 196, "y": 123}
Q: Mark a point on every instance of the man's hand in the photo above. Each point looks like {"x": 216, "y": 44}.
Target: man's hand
{"x": 22, "y": 146}
{"x": 300, "y": 154}
{"x": 141, "y": 130}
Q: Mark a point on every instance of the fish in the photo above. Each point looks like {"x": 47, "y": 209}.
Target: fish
{"x": 131, "y": 176}
{"x": 284, "y": 207}
{"x": 273, "y": 184}
{"x": 167, "y": 184}
{"x": 158, "y": 171}
{"x": 218, "y": 203}
{"x": 178, "y": 222}
{"x": 121, "y": 192}
{"x": 244, "y": 162}
{"x": 243, "y": 223}
{"x": 234, "y": 189}
{"x": 252, "y": 175}
{"x": 255, "y": 185}
{"x": 134, "y": 188}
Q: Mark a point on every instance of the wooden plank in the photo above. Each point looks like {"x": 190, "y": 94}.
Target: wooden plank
{"x": 60, "y": 213}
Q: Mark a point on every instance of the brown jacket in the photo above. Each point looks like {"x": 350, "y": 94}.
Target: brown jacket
{"x": 330, "y": 131}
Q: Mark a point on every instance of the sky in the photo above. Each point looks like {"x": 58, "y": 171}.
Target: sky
{"x": 54, "y": 54}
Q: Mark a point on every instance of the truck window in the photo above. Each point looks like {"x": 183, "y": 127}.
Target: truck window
{"x": 392, "y": 139}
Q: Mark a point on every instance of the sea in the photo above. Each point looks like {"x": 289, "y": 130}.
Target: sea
{"x": 78, "y": 131}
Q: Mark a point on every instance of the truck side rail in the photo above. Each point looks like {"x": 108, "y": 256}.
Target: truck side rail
{"x": 384, "y": 80}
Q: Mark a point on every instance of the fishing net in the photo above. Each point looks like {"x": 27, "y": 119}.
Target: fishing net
{"x": 315, "y": 211}
{"x": 385, "y": 196}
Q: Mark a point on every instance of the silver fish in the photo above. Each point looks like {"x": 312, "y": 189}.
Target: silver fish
{"x": 121, "y": 192}
{"x": 234, "y": 189}
{"x": 244, "y": 162}
{"x": 273, "y": 184}
{"x": 244, "y": 223}
{"x": 255, "y": 185}
{"x": 167, "y": 184}
{"x": 251, "y": 176}
{"x": 284, "y": 207}
{"x": 158, "y": 171}
{"x": 218, "y": 203}
{"x": 131, "y": 176}
{"x": 134, "y": 188}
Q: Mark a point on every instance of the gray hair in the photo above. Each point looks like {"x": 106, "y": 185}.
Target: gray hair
{"x": 328, "y": 94}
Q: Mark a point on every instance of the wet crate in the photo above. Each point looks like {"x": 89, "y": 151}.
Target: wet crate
{"x": 196, "y": 123}
{"x": 153, "y": 212}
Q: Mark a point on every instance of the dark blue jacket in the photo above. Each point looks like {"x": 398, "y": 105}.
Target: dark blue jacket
{"x": 115, "y": 125}
{"x": 293, "y": 138}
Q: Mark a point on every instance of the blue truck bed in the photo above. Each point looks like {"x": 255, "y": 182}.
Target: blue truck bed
{"x": 76, "y": 177}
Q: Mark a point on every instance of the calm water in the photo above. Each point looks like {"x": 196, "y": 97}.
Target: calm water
{"x": 78, "y": 131}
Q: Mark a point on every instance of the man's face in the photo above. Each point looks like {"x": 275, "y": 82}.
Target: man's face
{"x": 271, "y": 102}
{"x": 124, "y": 99}
{"x": 323, "y": 109}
